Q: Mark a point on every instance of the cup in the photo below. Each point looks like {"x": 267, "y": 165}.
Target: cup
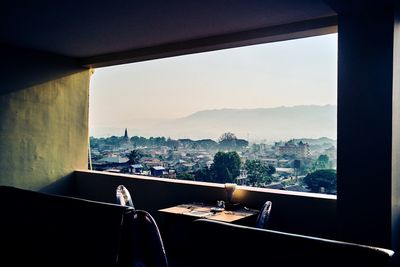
{"x": 229, "y": 188}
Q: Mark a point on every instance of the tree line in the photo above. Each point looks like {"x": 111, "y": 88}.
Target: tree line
{"x": 226, "y": 141}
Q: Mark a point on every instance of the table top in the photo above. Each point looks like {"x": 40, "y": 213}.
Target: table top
{"x": 205, "y": 211}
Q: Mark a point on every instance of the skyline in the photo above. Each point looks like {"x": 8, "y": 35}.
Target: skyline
{"x": 288, "y": 73}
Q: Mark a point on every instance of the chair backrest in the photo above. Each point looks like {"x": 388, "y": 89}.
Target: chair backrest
{"x": 142, "y": 241}
{"x": 263, "y": 216}
{"x": 123, "y": 196}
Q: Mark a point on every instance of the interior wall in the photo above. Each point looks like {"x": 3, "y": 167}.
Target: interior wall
{"x": 365, "y": 99}
{"x": 43, "y": 119}
{"x": 292, "y": 212}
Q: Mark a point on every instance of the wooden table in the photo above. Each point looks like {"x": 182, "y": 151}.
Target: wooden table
{"x": 177, "y": 226}
{"x": 205, "y": 211}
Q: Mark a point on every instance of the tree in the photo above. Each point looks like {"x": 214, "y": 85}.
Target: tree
{"x": 324, "y": 159}
{"x": 258, "y": 172}
{"x": 185, "y": 176}
{"x": 321, "y": 178}
{"x": 174, "y": 144}
{"x": 227, "y": 137}
{"x": 322, "y": 162}
{"x": 227, "y": 141}
{"x": 241, "y": 143}
{"x": 113, "y": 141}
{"x": 170, "y": 155}
{"x": 138, "y": 141}
{"x": 94, "y": 142}
{"x": 207, "y": 144}
{"x": 159, "y": 141}
{"x": 134, "y": 156}
{"x": 204, "y": 175}
{"x": 226, "y": 167}
{"x": 306, "y": 165}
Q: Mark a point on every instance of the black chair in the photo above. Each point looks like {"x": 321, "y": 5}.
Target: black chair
{"x": 143, "y": 245}
{"x": 263, "y": 217}
{"x": 144, "y": 240}
{"x": 124, "y": 197}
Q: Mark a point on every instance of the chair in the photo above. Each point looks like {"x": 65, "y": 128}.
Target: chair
{"x": 148, "y": 247}
{"x": 124, "y": 197}
{"x": 262, "y": 219}
{"x": 143, "y": 245}
{"x": 142, "y": 242}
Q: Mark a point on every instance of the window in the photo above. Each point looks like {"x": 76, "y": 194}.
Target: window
{"x": 261, "y": 115}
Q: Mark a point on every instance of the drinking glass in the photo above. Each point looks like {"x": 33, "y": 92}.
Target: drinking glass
{"x": 229, "y": 188}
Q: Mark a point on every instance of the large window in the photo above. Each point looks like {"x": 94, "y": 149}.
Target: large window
{"x": 261, "y": 115}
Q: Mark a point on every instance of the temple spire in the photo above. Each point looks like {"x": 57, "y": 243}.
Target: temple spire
{"x": 126, "y": 134}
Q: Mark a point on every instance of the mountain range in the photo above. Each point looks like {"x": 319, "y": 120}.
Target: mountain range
{"x": 280, "y": 123}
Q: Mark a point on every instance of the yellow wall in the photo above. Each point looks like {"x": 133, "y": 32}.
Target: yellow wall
{"x": 44, "y": 129}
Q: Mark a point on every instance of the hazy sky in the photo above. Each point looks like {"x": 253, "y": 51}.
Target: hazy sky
{"x": 296, "y": 72}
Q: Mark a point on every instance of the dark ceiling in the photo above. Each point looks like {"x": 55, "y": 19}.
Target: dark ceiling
{"x": 84, "y": 29}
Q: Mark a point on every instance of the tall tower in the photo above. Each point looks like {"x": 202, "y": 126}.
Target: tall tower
{"x": 126, "y": 138}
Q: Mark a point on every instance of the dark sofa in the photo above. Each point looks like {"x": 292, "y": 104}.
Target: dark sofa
{"x": 39, "y": 229}
{"x": 224, "y": 244}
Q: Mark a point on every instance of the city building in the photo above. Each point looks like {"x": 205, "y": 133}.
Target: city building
{"x": 269, "y": 161}
{"x": 292, "y": 148}
{"x": 136, "y": 168}
{"x": 158, "y": 171}
{"x": 150, "y": 162}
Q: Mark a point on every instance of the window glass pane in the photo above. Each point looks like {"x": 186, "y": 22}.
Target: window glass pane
{"x": 261, "y": 115}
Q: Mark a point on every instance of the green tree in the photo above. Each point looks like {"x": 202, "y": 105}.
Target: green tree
{"x": 134, "y": 156}
{"x": 94, "y": 142}
{"x": 322, "y": 162}
{"x": 204, "y": 175}
{"x": 174, "y": 144}
{"x": 207, "y": 144}
{"x": 306, "y": 165}
{"x": 159, "y": 141}
{"x": 258, "y": 172}
{"x": 138, "y": 141}
{"x": 185, "y": 176}
{"x": 241, "y": 143}
{"x": 114, "y": 141}
{"x": 321, "y": 178}
{"x": 226, "y": 167}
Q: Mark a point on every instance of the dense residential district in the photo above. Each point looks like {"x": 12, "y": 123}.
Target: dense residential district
{"x": 306, "y": 165}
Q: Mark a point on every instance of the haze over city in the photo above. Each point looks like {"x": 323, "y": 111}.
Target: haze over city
{"x": 148, "y": 96}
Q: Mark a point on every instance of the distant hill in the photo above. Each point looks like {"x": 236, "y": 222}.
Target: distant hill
{"x": 280, "y": 123}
